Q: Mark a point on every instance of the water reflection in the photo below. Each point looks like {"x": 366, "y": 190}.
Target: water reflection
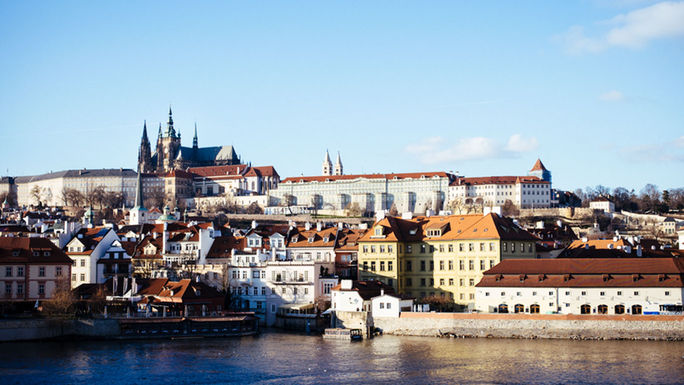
{"x": 284, "y": 358}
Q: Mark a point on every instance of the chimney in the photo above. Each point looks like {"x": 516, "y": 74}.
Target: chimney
{"x": 382, "y": 291}
{"x": 584, "y": 239}
{"x": 340, "y": 225}
{"x": 254, "y": 224}
{"x": 639, "y": 251}
{"x": 628, "y": 249}
{"x": 610, "y": 246}
{"x": 319, "y": 226}
{"x": 307, "y": 226}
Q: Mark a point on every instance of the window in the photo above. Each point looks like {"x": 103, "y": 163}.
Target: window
{"x": 460, "y": 247}
{"x": 602, "y": 293}
{"x": 491, "y": 263}
{"x": 372, "y": 249}
{"x": 667, "y": 293}
{"x": 451, "y": 265}
{"x": 451, "y": 248}
{"x": 441, "y": 248}
{"x": 389, "y": 266}
{"x": 482, "y": 246}
{"x": 41, "y": 289}
{"x": 636, "y": 293}
{"x": 491, "y": 246}
{"x": 58, "y": 271}
{"x": 284, "y": 291}
{"x": 471, "y": 296}
{"x": 365, "y": 249}
{"x": 389, "y": 305}
{"x": 408, "y": 266}
{"x": 441, "y": 265}
{"x": 8, "y": 271}
{"x": 20, "y": 289}
{"x": 551, "y": 293}
{"x": 422, "y": 265}
{"x": 471, "y": 282}
{"x": 255, "y": 274}
{"x": 461, "y": 265}
{"x": 263, "y": 290}
{"x": 422, "y": 282}
{"x": 486, "y": 294}
{"x": 584, "y": 293}
{"x": 382, "y": 265}
{"x": 382, "y": 248}
{"x": 409, "y": 249}
{"x": 461, "y": 282}
{"x": 372, "y": 265}
{"x": 432, "y": 265}
{"x": 390, "y": 282}
{"x": 382, "y": 305}
{"x": 255, "y": 291}
{"x": 83, "y": 262}
{"x": 409, "y": 282}
{"x": 8, "y": 289}
{"x": 389, "y": 248}
{"x": 20, "y": 271}
{"x": 73, "y": 277}
{"x": 451, "y": 282}
{"x": 471, "y": 247}
{"x": 82, "y": 277}
{"x": 441, "y": 282}
{"x": 534, "y": 309}
{"x": 422, "y": 248}
{"x": 505, "y": 246}
{"x": 619, "y": 292}
{"x": 567, "y": 293}
{"x": 482, "y": 264}
{"x": 471, "y": 265}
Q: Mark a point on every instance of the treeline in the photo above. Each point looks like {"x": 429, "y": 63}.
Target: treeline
{"x": 649, "y": 199}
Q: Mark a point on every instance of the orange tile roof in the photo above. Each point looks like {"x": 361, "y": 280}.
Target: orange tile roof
{"x": 324, "y": 178}
{"x": 473, "y": 181}
{"x": 538, "y": 166}
{"x": 217, "y": 170}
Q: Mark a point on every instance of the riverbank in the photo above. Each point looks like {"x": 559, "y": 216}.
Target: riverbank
{"x": 532, "y": 326}
{"x": 35, "y": 329}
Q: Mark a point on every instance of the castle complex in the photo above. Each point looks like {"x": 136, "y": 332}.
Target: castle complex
{"x": 170, "y": 155}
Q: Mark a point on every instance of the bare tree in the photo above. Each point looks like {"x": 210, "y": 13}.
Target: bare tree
{"x": 354, "y": 210}
{"x": 393, "y": 211}
{"x": 36, "y": 193}
{"x": 254, "y": 208}
{"x": 63, "y": 300}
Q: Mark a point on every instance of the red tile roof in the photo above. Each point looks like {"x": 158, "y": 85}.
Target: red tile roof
{"x": 324, "y": 178}
{"x": 474, "y": 181}
{"x": 218, "y": 170}
{"x": 21, "y": 250}
{"x": 538, "y": 166}
{"x": 367, "y": 289}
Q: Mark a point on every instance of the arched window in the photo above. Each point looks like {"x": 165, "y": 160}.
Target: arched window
{"x": 534, "y": 309}
{"x": 585, "y": 309}
{"x": 519, "y": 308}
{"x": 503, "y": 308}
{"x": 602, "y": 309}
{"x": 636, "y": 309}
{"x": 619, "y": 309}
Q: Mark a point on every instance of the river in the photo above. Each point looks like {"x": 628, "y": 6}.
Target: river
{"x": 276, "y": 358}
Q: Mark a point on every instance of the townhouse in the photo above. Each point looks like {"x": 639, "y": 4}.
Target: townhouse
{"x": 86, "y": 250}
{"x": 31, "y": 268}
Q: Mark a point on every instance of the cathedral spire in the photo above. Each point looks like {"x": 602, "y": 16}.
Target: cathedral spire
{"x": 144, "y": 134}
{"x": 139, "y": 191}
{"x": 170, "y": 132}
{"x": 327, "y": 164}
{"x": 194, "y": 138}
{"x": 338, "y": 165}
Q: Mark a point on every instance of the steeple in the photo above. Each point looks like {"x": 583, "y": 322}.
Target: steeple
{"x": 338, "y": 165}
{"x": 145, "y": 153}
{"x": 327, "y": 164}
{"x": 194, "y": 138}
{"x": 139, "y": 191}
{"x": 170, "y": 132}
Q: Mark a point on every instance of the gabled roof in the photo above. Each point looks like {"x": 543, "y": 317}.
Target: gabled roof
{"x": 223, "y": 245}
{"x": 22, "y": 249}
{"x": 538, "y": 166}
{"x": 301, "y": 237}
{"x": 218, "y": 170}
{"x": 485, "y": 180}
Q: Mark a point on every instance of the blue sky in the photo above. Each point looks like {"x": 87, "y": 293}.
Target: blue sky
{"x": 593, "y": 88}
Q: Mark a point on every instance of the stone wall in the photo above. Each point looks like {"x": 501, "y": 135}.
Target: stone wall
{"x": 37, "y": 329}
{"x": 565, "y": 212}
{"x": 642, "y": 327}
{"x": 354, "y": 320}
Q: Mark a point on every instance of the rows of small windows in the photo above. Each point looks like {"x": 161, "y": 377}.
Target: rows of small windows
{"x": 10, "y": 271}
{"x": 568, "y": 293}
{"x": 461, "y": 296}
{"x": 17, "y": 290}
{"x": 264, "y": 290}
{"x": 424, "y": 265}
{"x": 425, "y": 282}
{"x": 462, "y": 247}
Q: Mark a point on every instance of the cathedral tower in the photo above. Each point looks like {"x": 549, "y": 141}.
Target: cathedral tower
{"x": 338, "y": 165}
{"x": 327, "y": 164}
{"x": 145, "y": 153}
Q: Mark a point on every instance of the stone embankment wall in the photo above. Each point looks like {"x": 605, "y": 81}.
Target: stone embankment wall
{"x": 643, "y": 327}
{"x": 565, "y": 212}
{"x": 38, "y": 329}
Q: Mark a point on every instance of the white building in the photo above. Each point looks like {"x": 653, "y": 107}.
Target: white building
{"x": 86, "y": 249}
{"x": 602, "y": 203}
{"x": 414, "y": 192}
{"x": 387, "y": 305}
{"x": 582, "y": 286}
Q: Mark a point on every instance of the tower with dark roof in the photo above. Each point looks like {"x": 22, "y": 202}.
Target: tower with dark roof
{"x": 145, "y": 153}
{"x": 338, "y": 165}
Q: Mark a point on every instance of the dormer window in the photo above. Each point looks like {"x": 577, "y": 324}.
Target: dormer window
{"x": 326, "y": 239}
{"x": 378, "y": 230}
{"x": 295, "y": 238}
{"x": 434, "y": 233}
{"x": 311, "y": 239}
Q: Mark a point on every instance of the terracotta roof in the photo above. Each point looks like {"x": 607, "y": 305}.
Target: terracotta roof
{"x": 454, "y": 227}
{"x": 222, "y": 246}
{"x": 484, "y": 180}
{"x": 179, "y": 174}
{"x": 217, "y": 170}
{"x": 21, "y": 250}
{"x": 301, "y": 237}
{"x": 538, "y": 166}
{"x": 631, "y": 272}
{"x": 332, "y": 178}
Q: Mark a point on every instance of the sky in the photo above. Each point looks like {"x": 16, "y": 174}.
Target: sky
{"x": 595, "y": 88}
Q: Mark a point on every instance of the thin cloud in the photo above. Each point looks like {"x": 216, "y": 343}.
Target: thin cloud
{"x": 631, "y": 30}
{"x": 434, "y": 150}
{"x": 668, "y": 151}
{"x": 612, "y": 96}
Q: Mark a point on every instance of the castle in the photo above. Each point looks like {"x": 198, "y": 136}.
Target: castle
{"x": 170, "y": 155}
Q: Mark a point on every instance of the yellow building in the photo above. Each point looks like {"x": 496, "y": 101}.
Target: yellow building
{"x": 441, "y": 255}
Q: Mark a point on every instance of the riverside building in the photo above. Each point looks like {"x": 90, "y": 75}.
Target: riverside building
{"x": 440, "y": 255}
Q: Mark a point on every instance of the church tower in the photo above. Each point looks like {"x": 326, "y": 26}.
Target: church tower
{"x": 170, "y": 145}
{"x": 338, "y": 165}
{"x": 145, "y": 153}
{"x": 327, "y": 164}
{"x": 138, "y": 214}
{"x": 540, "y": 171}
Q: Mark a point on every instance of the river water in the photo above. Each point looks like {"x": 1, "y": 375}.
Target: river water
{"x": 275, "y": 358}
